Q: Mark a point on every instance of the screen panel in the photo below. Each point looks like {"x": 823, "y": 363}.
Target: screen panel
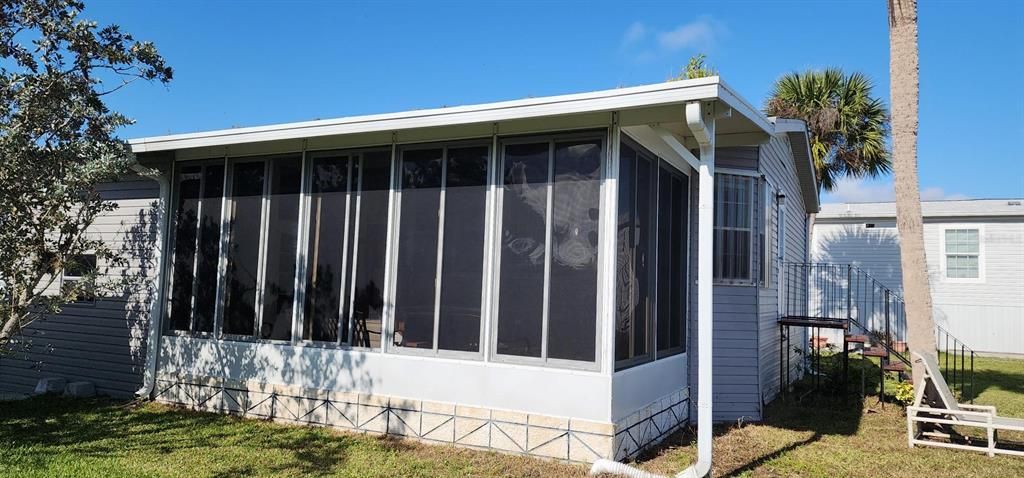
{"x": 417, "y": 248}
{"x": 572, "y": 303}
{"x": 523, "y": 254}
{"x": 463, "y": 249}
{"x": 243, "y": 248}
{"x": 327, "y": 211}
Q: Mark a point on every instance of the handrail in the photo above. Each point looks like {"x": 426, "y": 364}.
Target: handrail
{"x": 848, "y": 294}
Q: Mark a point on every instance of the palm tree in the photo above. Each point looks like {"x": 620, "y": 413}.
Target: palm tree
{"x": 903, "y": 86}
{"x": 848, "y": 126}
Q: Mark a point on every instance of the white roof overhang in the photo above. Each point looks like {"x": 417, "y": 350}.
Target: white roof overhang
{"x": 659, "y": 104}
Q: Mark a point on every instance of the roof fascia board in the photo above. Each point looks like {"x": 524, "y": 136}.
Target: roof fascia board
{"x": 607, "y": 100}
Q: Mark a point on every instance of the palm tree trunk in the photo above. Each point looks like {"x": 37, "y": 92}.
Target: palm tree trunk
{"x": 903, "y": 70}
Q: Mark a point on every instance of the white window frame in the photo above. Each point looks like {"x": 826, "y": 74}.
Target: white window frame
{"x": 767, "y": 223}
{"x": 755, "y": 176}
{"x": 552, "y": 138}
{"x": 945, "y": 257}
{"x": 65, "y": 278}
{"x": 396, "y": 221}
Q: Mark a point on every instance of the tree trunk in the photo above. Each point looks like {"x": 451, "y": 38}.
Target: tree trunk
{"x": 903, "y": 84}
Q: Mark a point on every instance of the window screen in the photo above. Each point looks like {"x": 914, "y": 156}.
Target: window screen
{"x": 549, "y": 235}
{"x": 417, "y": 248}
{"x": 328, "y": 209}
{"x": 733, "y": 246}
{"x": 652, "y": 256}
{"x": 576, "y": 195}
{"x": 196, "y": 249}
{"x": 462, "y": 270}
{"x": 281, "y": 239}
{"x": 243, "y": 251}
{"x": 371, "y": 249}
{"x": 523, "y": 249}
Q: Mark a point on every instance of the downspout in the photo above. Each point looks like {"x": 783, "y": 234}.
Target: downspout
{"x": 156, "y": 299}
{"x": 701, "y": 120}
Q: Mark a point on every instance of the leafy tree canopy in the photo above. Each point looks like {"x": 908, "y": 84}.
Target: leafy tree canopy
{"x": 847, "y": 123}
{"x": 57, "y": 143}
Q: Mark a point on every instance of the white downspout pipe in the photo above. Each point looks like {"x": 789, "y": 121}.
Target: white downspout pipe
{"x": 155, "y": 299}
{"x": 701, "y": 121}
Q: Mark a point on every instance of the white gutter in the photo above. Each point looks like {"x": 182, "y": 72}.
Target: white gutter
{"x": 156, "y": 299}
{"x": 701, "y": 121}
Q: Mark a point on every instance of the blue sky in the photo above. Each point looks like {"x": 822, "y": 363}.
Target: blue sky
{"x": 261, "y": 62}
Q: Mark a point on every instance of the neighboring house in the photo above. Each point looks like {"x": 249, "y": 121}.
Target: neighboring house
{"x": 522, "y": 276}
{"x": 975, "y": 254}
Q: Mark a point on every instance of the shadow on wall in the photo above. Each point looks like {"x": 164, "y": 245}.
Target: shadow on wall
{"x": 102, "y": 341}
{"x": 875, "y": 250}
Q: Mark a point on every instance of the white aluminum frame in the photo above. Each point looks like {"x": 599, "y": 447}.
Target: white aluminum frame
{"x": 354, "y": 158}
{"x": 551, "y": 138}
{"x": 172, "y": 212}
{"x": 653, "y": 355}
{"x": 488, "y": 329}
{"x": 444, "y": 146}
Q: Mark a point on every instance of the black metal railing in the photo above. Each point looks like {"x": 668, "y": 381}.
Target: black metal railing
{"x": 845, "y": 293}
{"x": 957, "y": 363}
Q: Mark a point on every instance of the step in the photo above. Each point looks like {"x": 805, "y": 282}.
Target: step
{"x": 856, "y": 339}
{"x": 895, "y": 367}
{"x": 876, "y": 352}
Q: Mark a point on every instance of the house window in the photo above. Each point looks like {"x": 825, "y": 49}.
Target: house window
{"x": 734, "y": 214}
{"x": 196, "y": 252}
{"x": 652, "y": 250}
{"x": 547, "y": 297}
{"x": 79, "y": 271}
{"x": 963, "y": 252}
{"x": 438, "y": 291}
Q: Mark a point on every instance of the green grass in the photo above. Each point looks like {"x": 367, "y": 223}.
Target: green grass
{"x": 823, "y": 436}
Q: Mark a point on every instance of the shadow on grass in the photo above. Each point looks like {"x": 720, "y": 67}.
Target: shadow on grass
{"x": 832, "y": 408}
{"x": 47, "y": 426}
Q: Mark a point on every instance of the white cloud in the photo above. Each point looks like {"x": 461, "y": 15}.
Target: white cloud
{"x": 700, "y": 33}
{"x": 636, "y": 32}
{"x": 645, "y": 44}
{"x": 937, "y": 194}
{"x": 857, "y": 190}
{"x": 861, "y": 190}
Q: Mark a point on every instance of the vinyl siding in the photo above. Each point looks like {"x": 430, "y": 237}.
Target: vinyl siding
{"x": 103, "y": 343}
{"x": 776, "y": 164}
{"x": 735, "y": 362}
{"x": 987, "y": 315}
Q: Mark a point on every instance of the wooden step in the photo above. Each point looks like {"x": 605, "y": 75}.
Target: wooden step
{"x": 876, "y": 352}
{"x": 895, "y": 367}
{"x": 856, "y": 339}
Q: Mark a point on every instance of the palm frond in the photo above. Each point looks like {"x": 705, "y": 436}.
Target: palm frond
{"x": 849, "y": 127}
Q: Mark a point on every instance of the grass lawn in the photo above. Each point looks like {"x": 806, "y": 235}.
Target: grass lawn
{"x": 826, "y": 437}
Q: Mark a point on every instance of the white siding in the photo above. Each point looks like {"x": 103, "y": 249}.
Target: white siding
{"x": 103, "y": 342}
{"x": 776, "y": 164}
{"x": 988, "y": 315}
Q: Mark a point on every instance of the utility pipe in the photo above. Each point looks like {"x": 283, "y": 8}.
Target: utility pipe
{"x": 156, "y": 299}
{"x": 701, "y": 121}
